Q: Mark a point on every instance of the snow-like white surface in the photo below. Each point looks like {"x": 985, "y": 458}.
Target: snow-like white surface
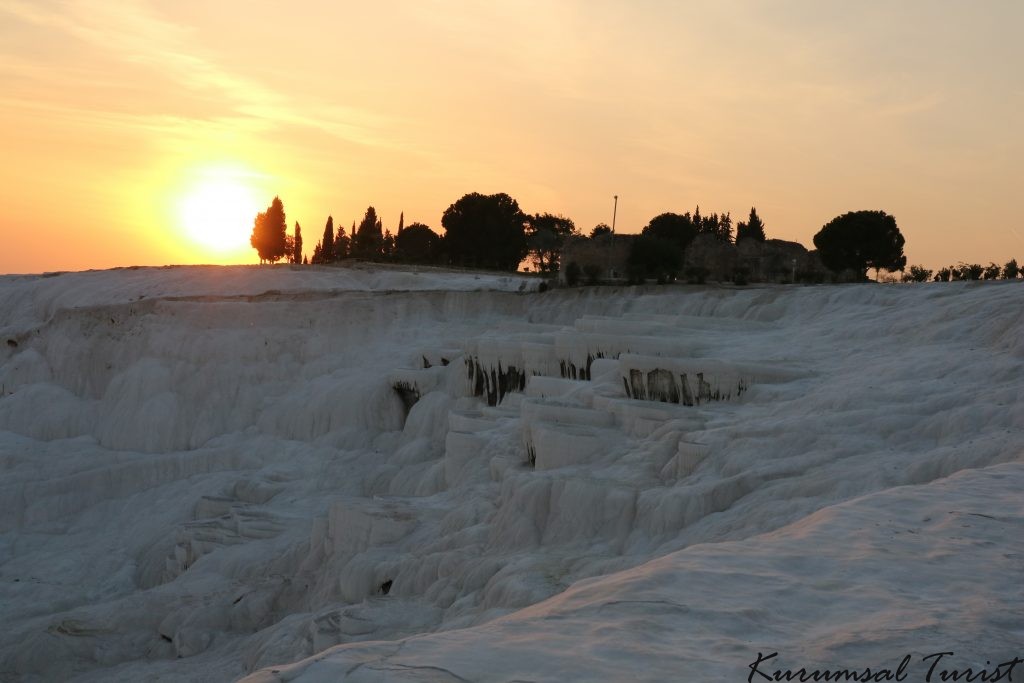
{"x": 214, "y": 472}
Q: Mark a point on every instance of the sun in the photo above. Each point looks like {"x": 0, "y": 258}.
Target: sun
{"x": 217, "y": 211}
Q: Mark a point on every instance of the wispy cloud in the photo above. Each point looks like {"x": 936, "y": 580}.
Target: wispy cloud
{"x": 133, "y": 33}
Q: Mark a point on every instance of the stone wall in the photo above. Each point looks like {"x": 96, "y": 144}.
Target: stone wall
{"x": 706, "y": 259}
{"x": 608, "y": 253}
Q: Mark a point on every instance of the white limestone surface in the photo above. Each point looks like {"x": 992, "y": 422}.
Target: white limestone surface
{"x": 212, "y": 473}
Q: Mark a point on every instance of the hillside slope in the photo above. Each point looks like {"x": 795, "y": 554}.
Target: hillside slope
{"x": 386, "y": 475}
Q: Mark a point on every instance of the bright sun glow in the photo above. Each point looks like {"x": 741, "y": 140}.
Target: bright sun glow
{"x": 217, "y": 211}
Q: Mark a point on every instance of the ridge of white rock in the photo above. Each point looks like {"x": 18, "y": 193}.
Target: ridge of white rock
{"x": 209, "y": 472}
{"x": 896, "y": 586}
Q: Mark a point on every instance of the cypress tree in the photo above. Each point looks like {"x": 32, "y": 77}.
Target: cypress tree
{"x": 269, "y": 236}
{"x": 368, "y": 240}
{"x": 327, "y": 250}
{"x": 752, "y": 229}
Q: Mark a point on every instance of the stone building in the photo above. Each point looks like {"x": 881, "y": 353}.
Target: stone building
{"x": 605, "y": 255}
{"x": 709, "y": 258}
{"x": 780, "y": 261}
{"x": 706, "y": 259}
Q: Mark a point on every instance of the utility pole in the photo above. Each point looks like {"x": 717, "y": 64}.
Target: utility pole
{"x": 615, "y": 212}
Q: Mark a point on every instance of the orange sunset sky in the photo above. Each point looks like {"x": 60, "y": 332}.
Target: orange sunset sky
{"x": 152, "y": 131}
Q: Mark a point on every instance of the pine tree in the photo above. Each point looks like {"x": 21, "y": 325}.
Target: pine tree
{"x": 401, "y": 222}
{"x": 297, "y": 253}
{"x": 417, "y": 244}
{"x": 859, "y": 240}
{"x": 341, "y": 243}
{"x": 485, "y": 231}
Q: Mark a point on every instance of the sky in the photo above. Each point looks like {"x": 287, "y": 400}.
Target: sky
{"x": 150, "y": 132}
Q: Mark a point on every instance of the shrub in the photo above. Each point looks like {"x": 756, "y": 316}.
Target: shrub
{"x": 573, "y": 273}
{"x": 696, "y": 275}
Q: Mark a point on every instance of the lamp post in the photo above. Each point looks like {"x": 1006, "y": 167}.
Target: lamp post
{"x": 609, "y": 271}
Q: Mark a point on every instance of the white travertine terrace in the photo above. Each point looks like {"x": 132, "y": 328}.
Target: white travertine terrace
{"x": 327, "y": 474}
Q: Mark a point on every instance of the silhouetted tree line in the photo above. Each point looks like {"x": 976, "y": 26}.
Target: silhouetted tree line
{"x": 493, "y": 232}
{"x": 481, "y": 231}
{"x": 966, "y": 271}
{"x": 659, "y": 250}
{"x": 693, "y": 245}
